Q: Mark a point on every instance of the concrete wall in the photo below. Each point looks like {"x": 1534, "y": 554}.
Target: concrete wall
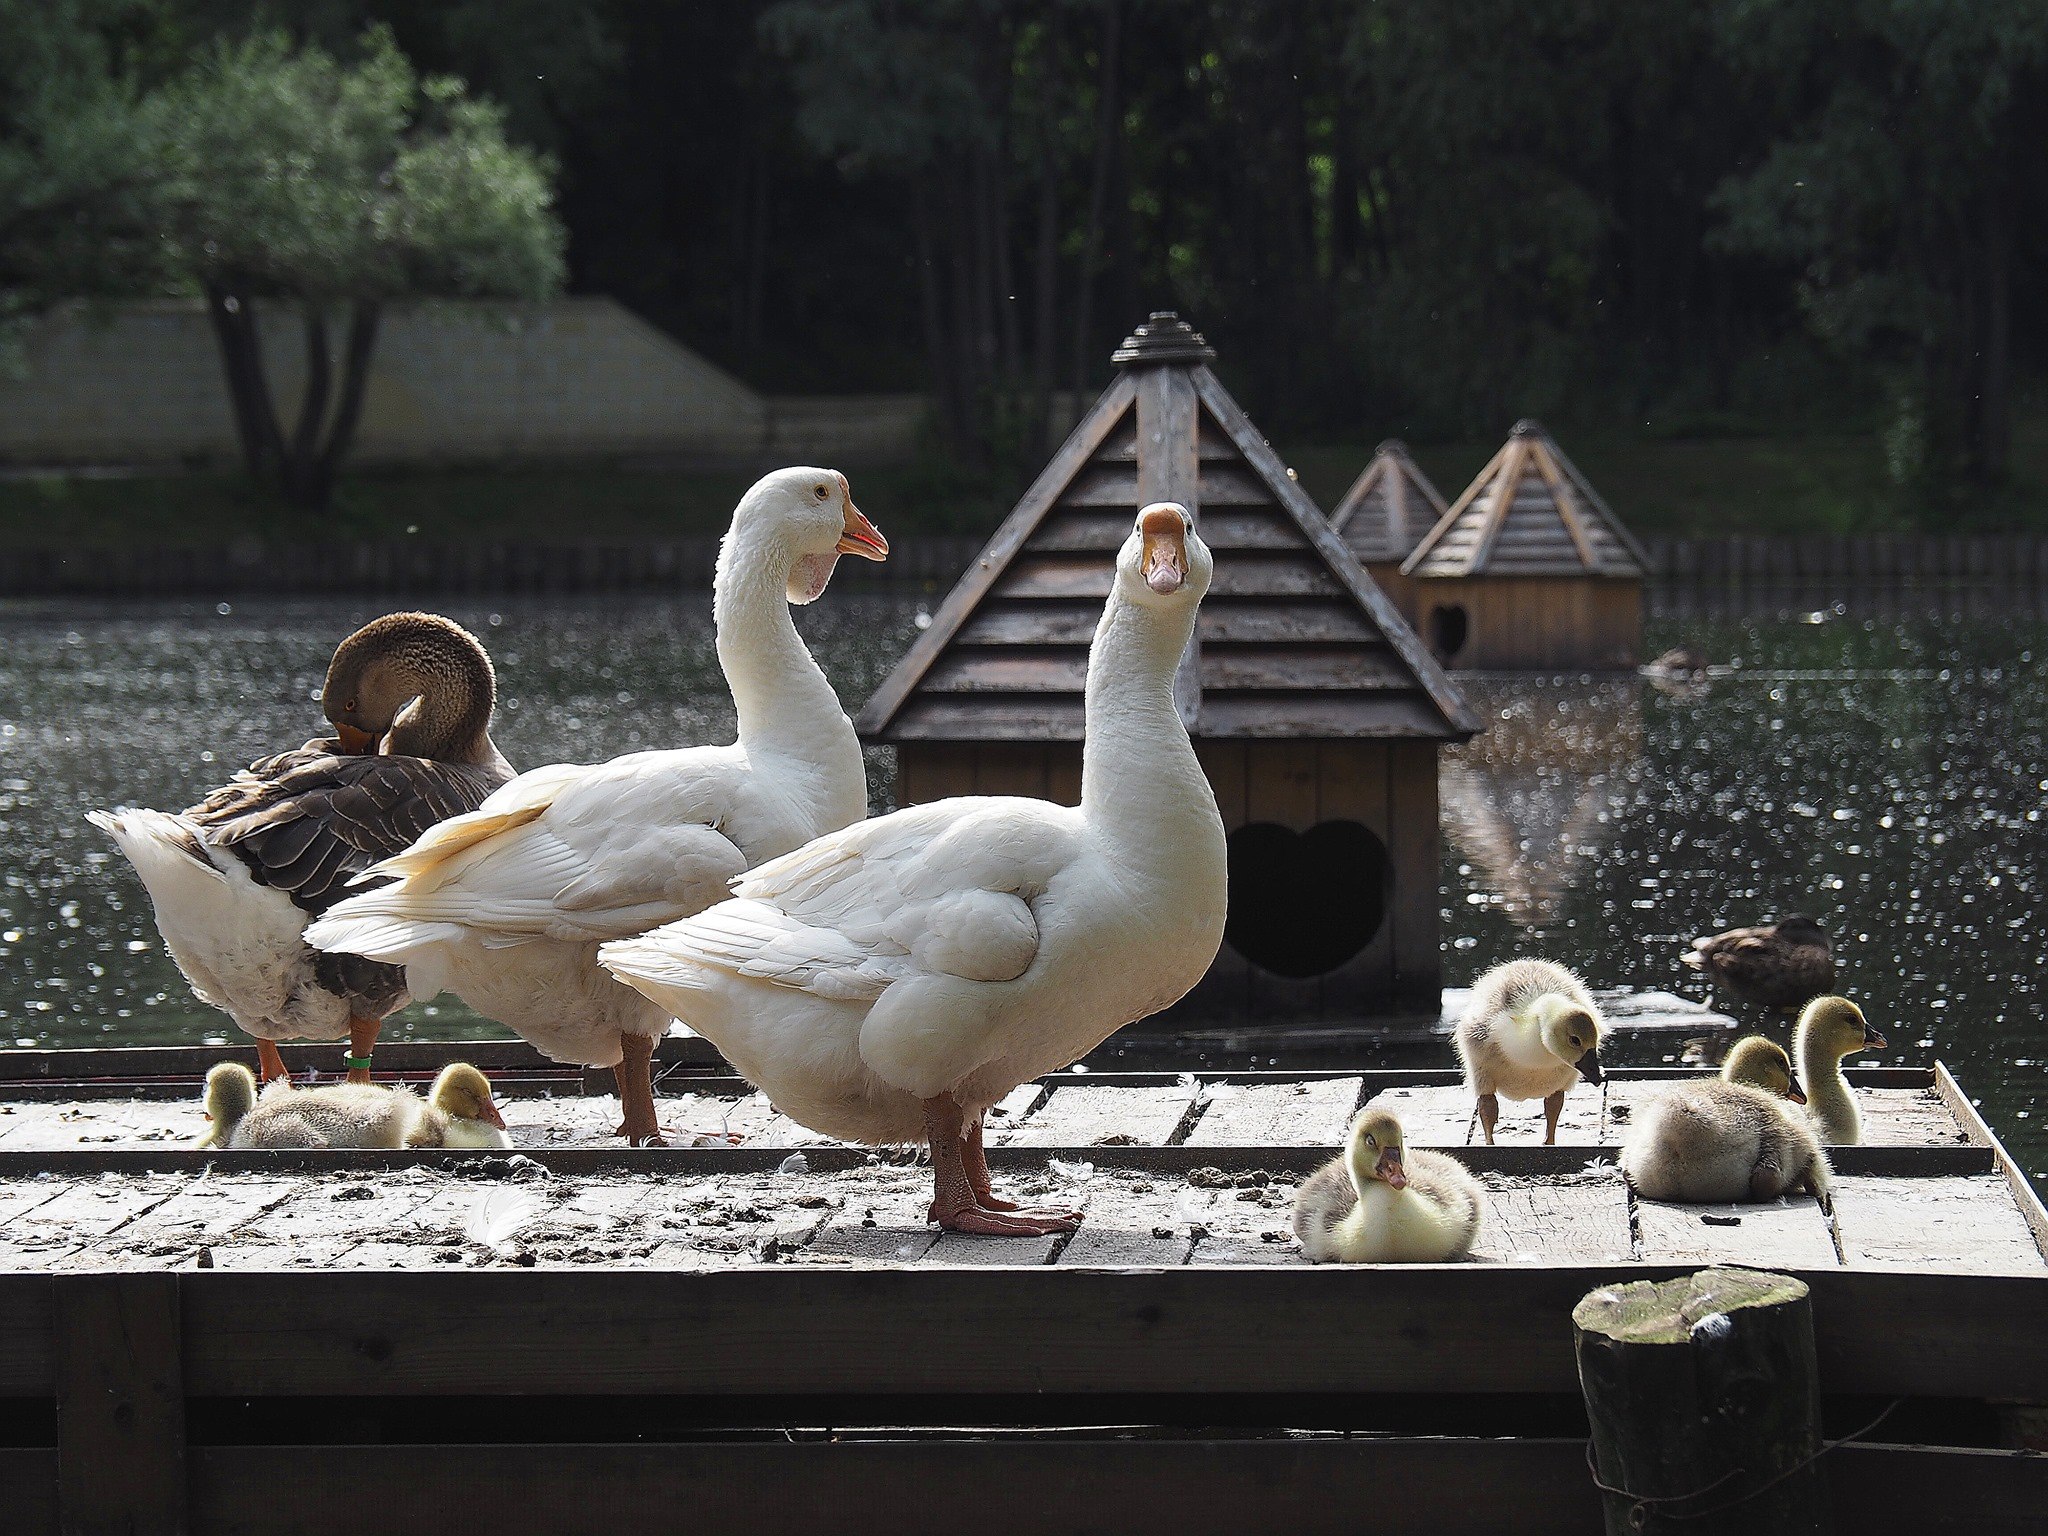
{"x": 451, "y": 382}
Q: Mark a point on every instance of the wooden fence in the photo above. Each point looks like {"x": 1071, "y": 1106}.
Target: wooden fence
{"x": 1687, "y": 572}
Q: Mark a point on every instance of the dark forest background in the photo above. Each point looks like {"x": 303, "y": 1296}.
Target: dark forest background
{"x": 1411, "y": 217}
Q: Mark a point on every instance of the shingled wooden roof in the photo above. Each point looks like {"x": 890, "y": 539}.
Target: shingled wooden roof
{"x": 1529, "y": 513}
{"x": 1390, "y": 507}
{"x": 1294, "y": 640}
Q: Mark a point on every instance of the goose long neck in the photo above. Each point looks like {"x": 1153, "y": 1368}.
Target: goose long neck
{"x": 451, "y": 719}
{"x": 1141, "y": 784}
{"x": 785, "y": 705}
{"x": 1828, "y": 1095}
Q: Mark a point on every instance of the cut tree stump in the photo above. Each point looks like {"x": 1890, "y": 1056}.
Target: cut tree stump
{"x": 1704, "y": 1404}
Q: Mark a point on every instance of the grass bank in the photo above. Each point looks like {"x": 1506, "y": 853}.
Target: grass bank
{"x": 1703, "y": 486}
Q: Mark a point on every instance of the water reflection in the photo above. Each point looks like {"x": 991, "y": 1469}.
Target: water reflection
{"x": 1887, "y": 776}
{"x": 1529, "y": 800}
{"x": 153, "y": 704}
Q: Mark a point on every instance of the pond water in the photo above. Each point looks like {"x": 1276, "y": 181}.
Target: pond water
{"x": 1888, "y": 776}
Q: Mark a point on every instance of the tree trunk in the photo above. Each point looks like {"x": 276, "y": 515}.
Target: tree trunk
{"x": 241, "y": 356}
{"x": 301, "y": 459}
{"x": 348, "y": 408}
{"x": 1108, "y": 114}
{"x": 1990, "y": 444}
{"x": 1704, "y": 1405}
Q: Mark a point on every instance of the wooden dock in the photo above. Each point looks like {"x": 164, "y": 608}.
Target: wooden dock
{"x": 581, "y": 1335}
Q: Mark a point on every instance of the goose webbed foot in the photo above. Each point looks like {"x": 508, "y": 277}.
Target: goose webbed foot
{"x": 961, "y": 1198}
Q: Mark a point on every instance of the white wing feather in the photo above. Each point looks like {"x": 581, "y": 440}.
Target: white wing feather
{"x": 944, "y": 889}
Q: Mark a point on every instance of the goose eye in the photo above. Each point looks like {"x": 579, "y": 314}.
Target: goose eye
{"x": 821, "y": 491}
{"x": 351, "y": 704}
{"x": 1372, "y": 1141}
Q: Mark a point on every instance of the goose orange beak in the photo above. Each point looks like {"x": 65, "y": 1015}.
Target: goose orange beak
{"x": 1390, "y": 1170}
{"x": 1164, "y": 558}
{"x": 353, "y": 741}
{"x": 488, "y": 1113}
{"x": 861, "y": 537}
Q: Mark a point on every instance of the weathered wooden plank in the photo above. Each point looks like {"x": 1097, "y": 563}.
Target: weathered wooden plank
{"x": 91, "y": 1208}
{"x": 1956, "y": 1223}
{"x": 1571, "y": 1219}
{"x": 1335, "y": 622}
{"x": 1929, "y": 1490}
{"x": 1312, "y": 1114}
{"x": 30, "y": 1478}
{"x": 1245, "y": 1224}
{"x": 1309, "y": 668}
{"x": 1777, "y": 1234}
{"x": 210, "y": 1206}
{"x": 1128, "y": 1221}
{"x": 1433, "y": 1115}
{"x": 19, "y": 1195}
{"x": 346, "y": 1212}
{"x": 120, "y": 1405}
{"x": 1089, "y": 1116}
{"x": 855, "y": 1486}
{"x": 1907, "y": 1117}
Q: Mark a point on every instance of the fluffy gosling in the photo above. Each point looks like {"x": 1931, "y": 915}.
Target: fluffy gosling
{"x": 1379, "y": 1203}
{"x": 1733, "y": 1138}
{"x": 1530, "y": 1031}
{"x": 1829, "y": 1029}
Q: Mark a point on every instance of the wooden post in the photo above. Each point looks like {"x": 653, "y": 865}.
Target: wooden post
{"x": 120, "y": 1405}
{"x": 1704, "y": 1406}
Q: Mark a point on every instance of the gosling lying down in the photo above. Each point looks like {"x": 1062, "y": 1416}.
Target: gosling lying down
{"x": 1732, "y": 1138}
{"x": 1381, "y": 1204}
{"x": 459, "y": 1112}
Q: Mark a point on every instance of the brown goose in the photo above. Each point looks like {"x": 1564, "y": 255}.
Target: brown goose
{"x": 1779, "y": 965}
{"x": 236, "y": 878}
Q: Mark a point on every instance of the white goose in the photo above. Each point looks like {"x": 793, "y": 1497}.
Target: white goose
{"x": 506, "y": 906}
{"x": 890, "y": 982}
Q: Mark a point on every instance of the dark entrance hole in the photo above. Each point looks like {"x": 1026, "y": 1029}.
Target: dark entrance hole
{"x": 1448, "y": 629}
{"x": 1302, "y": 903}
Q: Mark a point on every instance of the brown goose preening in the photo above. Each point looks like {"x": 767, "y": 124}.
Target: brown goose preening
{"x": 236, "y": 878}
{"x": 1779, "y": 965}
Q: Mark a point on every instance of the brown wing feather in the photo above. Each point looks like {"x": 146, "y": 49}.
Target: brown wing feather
{"x": 308, "y": 821}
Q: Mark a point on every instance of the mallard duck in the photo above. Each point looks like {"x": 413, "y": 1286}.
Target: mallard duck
{"x": 235, "y": 879}
{"x": 1379, "y": 1203}
{"x": 459, "y": 1112}
{"x": 1530, "y": 1031}
{"x": 506, "y": 907}
{"x": 1829, "y": 1029}
{"x": 1779, "y": 965}
{"x": 888, "y": 983}
{"x": 1728, "y": 1139}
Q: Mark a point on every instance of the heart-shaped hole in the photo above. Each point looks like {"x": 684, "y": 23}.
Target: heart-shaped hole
{"x": 1302, "y": 903}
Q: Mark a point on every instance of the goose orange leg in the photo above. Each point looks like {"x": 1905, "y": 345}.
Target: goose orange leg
{"x": 1489, "y": 1114}
{"x": 635, "y": 1073}
{"x": 269, "y": 1061}
{"x": 956, "y": 1205}
{"x": 1552, "y": 1108}
{"x": 362, "y": 1042}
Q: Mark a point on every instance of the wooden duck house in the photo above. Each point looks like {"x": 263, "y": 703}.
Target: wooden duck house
{"x": 1529, "y": 568}
{"x": 1389, "y": 509}
{"x": 1315, "y": 710}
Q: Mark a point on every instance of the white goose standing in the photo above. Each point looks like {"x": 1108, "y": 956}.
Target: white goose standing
{"x": 506, "y": 906}
{"x": 889, "y": 982}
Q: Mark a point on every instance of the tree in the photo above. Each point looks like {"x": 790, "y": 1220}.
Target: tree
{"x": 75, "y": 195}
{"x": 282, "y": 173}
{"x": 1905, "y": 167}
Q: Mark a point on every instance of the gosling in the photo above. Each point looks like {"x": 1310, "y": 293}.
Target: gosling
{"x": 1530, "y": 1031}
{"x": 459, "y": 1112}
{"x": 1829, "y": 1029}
{"x": 1728, "y": 1139}
{"x": 1381, "y": 1204}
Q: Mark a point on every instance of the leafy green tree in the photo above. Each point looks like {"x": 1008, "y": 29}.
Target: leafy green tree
{"x": 282, "y": 173}
{"x": 75, "y": 192}
{"x": 1905, "y": 169}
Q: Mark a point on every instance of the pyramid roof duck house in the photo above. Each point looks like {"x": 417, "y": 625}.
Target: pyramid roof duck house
{"x": 1529, "y": 568}
{"x": 1315, "y": 710}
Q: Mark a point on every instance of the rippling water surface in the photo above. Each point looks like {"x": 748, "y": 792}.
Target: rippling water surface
{"x": 1888, "y": 777}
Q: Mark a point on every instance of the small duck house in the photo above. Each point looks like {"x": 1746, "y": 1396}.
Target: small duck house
{"x": 1529, "y": 568}
{"x": 1389, "y": 509}
{"x": 1315, "y": 710}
